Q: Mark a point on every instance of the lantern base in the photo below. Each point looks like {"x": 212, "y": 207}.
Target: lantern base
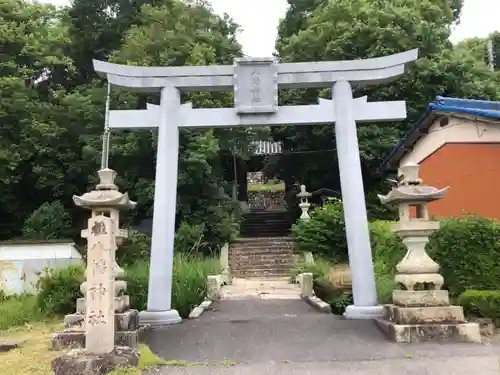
{"x": 363, "y": 312}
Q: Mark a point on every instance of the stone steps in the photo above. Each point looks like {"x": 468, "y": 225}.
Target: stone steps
{"x": 265, "y": 224}
{"x": 261, "y": 257}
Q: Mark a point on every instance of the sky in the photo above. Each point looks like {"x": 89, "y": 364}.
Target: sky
{"x": 259, "y": 20}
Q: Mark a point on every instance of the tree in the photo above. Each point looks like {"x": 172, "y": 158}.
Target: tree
{"x": 355, "y": 29}
{"x": 36, "y": 151}
{"x": 478, "y": 47}
{"x": 97, "y": 28}
{"x": 172, "y": 35}
{"x": 47, "y": 222}
{"x": 52, "y": 108}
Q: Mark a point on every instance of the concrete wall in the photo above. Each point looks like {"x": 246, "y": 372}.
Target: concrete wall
{"x": 459, "y": 130}
{"x": 21, "y": 264}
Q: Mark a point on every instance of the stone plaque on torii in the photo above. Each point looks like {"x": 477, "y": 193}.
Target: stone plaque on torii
{"x": 255, "y": 83}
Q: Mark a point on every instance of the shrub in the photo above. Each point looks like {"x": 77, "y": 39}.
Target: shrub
{"x": 384, "y": 280}
{"x": 137, "y": 278}
{"x": 468, "y": 251}
{"x": 481, "y": 304}
{"x": 340, "y": 302}
{"x": 58, "y": 289}
{"x": 19, "y": 310}
{"x": 189, "y": 238}
{"x": 48, "y": 221}
{"x": 220, "y": 221}
{"x": 387, "y": 248}
{"x": 320, "y": 268}
{"x": 324, "y": 233}
{"x": 134, "y": 249}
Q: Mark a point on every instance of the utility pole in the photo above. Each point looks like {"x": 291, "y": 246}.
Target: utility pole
{"x": 491, "y": 55}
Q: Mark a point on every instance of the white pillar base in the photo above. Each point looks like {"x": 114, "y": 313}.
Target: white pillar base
{"x": 159, "y": 318}
{"x": 363, "y": 312}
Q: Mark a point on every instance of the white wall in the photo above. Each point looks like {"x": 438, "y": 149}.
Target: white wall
{"x": 459, "y": 130}
{"x": 22, "y": 264}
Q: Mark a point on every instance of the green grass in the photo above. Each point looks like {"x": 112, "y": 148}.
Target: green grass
{"x": 188, "y": 290}
{"x": 189, "y": 282}
{"x": 19, "y": 310}
{"x": 35, "y": 355}
{"x": 320, "y": 268}
{"x": 267, "y": 187}
{"x": 149, "y": 361}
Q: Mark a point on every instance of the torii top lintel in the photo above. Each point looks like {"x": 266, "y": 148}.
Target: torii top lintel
{"x": 226, "y": 77}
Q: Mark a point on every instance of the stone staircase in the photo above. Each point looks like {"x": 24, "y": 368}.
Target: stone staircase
{"x": 265, "y": 223}
{"x": 266, "y": 257}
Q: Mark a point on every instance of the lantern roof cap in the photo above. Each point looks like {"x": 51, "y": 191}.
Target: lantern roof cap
{"x": 303, "y": 193}
{"x": 106, "y": 194}
{"x": 411, "y": 188}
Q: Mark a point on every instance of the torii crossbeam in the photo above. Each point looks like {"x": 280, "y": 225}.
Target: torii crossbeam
{"x": 288, "y": 115}
{"x": 255, "y": 83}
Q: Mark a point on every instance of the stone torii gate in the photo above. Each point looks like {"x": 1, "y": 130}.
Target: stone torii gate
{"x": 255, "y": 83}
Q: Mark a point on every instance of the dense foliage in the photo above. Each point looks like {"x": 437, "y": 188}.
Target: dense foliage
{"x": 324, "y": 234}
{"x": 52, "y": 103}
{"x": 52, "y": 112}
{"x": 481, "y": 304}
{"x": 354, "y": 29}
{"x": 467, "y": 249}
{"x": 58, "y": 290}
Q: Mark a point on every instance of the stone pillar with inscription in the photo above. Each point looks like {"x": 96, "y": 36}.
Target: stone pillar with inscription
{"x": 103, "y": 322}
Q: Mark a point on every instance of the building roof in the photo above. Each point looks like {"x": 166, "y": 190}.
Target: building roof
{"x": 267, "y": 148}
{"x": 442, "y": 105}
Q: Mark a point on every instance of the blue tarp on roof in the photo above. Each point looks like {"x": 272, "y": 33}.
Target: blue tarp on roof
{"x": 479, "y": 108}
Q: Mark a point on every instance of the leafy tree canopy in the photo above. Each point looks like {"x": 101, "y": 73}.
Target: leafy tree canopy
{"x": 357, "y": 29}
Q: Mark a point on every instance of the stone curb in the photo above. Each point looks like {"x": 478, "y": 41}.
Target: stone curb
{"x": 318, "y": 304}
{"x": 214, "y": 285}
{"x": 198, "y": 310}
{"x": 305, "y": 280}
{"x": 6, "y": 346}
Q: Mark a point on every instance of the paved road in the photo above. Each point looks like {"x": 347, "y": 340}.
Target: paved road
{"x": 289, "y": 337}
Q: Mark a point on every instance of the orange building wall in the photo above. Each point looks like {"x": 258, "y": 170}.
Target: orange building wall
{"x": 472, "y": 171}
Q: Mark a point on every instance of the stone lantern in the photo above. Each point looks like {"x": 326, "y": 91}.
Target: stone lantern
{"x": 104, "y": 327}
{"x": 304, "y": 202}
{"x": 108, "y": 201}
{"x": 421, "y": 309}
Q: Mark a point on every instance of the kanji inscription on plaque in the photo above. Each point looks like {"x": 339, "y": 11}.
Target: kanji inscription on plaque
{"x": 256, "y": 86}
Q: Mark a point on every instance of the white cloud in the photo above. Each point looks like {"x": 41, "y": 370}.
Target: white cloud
{"x": 259, "y": 20}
